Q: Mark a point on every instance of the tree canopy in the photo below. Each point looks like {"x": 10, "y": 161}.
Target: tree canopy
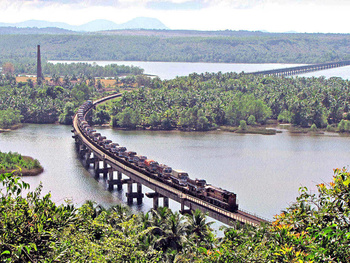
{"x": 208, "y": 100}
{"x": 316, "y": 228}
{"x": 231, "y": 48}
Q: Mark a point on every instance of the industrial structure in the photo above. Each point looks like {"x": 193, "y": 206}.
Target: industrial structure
{"x": 39, "y": 73}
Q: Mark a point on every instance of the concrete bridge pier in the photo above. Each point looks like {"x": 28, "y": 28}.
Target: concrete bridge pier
{"x": 101, "y": 170}
{"x": 105, "y": 169}
{"x": 97, "y": 167}
{"x": 88, "y": 158}
{"x": 156, "y": 197}
{"x": 155, "y": 202}
{"x": 119, "y": 181}
{"x": 76, "y": 140}
{"x": 137, "y": 195}
{"x": 110, "y": 180}
{"x": 82, "y": 150}
{"x": 183, "y": 210}
{"x": 165, "y": 201}
{"x": 90, "y": 161}
{"x": 94, "y": 160}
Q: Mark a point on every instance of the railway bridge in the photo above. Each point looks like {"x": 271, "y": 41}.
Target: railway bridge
{"x": 301, "y": 69}
{"x": 113, "y": 170}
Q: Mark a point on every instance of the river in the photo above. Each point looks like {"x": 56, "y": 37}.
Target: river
{"x": 264, "y": 171}
{"x": 169, "y": 70}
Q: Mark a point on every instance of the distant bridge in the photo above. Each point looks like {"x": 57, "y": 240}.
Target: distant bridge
{"x": 113, "y": 166}
{"x": 301, "y": 69}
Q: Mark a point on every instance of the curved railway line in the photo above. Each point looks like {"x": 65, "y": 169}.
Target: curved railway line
{"x": 162, "y": 189}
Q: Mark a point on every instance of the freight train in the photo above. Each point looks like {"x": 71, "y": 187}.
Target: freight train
{"x": 173, "y": 177}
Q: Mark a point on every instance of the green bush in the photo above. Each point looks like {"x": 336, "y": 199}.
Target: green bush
{"x": 344, "y": 126}
{"x": 9, "y": 118}
{"x": 313, "y": 127}
{"x": 251, "y": 120}
{"x": 13, "y": 161}
{"x": 243, "y": 125}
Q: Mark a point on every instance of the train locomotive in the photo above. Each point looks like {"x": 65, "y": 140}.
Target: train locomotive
{"x": 173, "y": 177}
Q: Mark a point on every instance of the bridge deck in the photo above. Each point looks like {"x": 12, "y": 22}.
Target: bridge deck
{"x": 302, "y": 69}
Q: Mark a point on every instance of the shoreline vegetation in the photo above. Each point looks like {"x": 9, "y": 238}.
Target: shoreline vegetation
{"x": 268, "y": 129}
{"x": 204, "y": 102}
{"x": 19, "y": 164}
{"x": 13, "y": 127}
{"x": 263, "y": 130}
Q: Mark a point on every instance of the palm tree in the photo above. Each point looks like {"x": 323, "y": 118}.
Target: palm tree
{"x": 119, "y": 213}
{"x": 92, "y": 209}
{"x": 66, "y": 80}
{"x": 159, "y": 216}
{"x": 55, "y": 79}
{"x": 173, "y": 235}
{"x": 30, "y": 83}
{"x": 198, "y": 229}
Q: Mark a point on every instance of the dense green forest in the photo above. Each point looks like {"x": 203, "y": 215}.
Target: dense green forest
{"x": 76, "y": 69}
{"x": 196, "y": 102}
{"x": 243, "y": 48}
{"x": 31, "y": 103}
{"x": 34, "y": 229}
{"x": 207, "y": 101}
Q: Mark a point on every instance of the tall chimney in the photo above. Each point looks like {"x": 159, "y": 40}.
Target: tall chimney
{"x": 39, "y": 74}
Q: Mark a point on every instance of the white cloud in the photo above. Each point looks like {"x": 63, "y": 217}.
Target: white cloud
{"x": 271, "y": 15}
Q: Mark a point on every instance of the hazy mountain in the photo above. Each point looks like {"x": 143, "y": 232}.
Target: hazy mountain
{"x": 33, "y": 30}
{"x": 38, "y": 24}
{"x": 143, "y": 23}
{"x": 96, "y": 25}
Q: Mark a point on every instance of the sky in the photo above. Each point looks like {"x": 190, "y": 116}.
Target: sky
{"x": 324, "y": 16}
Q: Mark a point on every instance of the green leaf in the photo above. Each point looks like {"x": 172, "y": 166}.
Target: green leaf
{"x": 28, "y": 248}
{"x": 6, "y": 252}
{"x": 347, "y": 182}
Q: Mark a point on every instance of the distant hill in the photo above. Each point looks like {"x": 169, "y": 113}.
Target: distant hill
{"x": 93, "y": 26}
{"x": 143, "y": 23}
{"x": 33, "y": 30}
{"x": 164, "y": 33}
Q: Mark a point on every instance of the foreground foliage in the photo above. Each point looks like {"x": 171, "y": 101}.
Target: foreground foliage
{"x": 34, "y": 229}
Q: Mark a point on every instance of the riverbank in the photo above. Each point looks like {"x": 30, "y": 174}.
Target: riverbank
{"x": 272, "y": 128}
{"x": 250, "y": 130}
{"x": 13, "y": 127}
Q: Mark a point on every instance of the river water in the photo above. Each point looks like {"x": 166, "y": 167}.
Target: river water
{"x": 264, "y": 171}
{"x": 169, "y": 70}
